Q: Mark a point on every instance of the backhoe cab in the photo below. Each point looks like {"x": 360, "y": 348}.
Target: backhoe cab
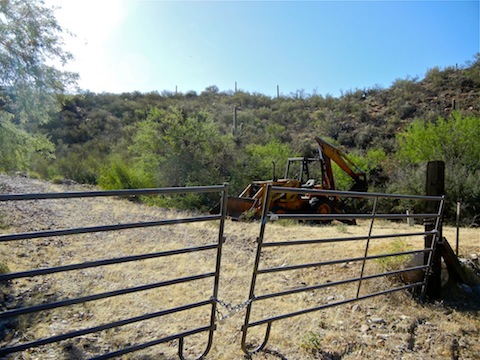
{"x": 306, "y": 172}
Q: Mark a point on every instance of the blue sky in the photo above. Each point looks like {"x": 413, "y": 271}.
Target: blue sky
{"x": 322, "y": 47}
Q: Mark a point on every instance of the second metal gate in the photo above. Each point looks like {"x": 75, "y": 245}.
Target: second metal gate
{"x": 360, "y": 282}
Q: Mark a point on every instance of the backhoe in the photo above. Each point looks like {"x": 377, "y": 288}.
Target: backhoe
{"x": 305, "y": 172}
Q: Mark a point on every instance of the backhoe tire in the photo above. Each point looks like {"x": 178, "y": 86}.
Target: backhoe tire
{"x": 321, "y": 205}
{"x": 278, "y": 210}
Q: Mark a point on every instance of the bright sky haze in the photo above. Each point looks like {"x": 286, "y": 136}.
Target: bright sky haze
{"x": 322, "y": 47}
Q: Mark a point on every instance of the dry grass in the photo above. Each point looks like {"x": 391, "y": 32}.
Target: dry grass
{"x": 392, "y": 326}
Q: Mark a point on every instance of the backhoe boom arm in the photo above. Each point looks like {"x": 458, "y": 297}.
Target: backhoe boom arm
{"x": 330, "y": 152}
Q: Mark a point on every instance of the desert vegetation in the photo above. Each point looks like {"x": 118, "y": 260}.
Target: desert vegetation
{"x": 159, "y": 139}
{"x": 143, "y": 140}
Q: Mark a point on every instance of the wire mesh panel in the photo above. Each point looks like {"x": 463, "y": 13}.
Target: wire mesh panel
{"x": 101, "y": 291}
{"x": 378, "y": 262}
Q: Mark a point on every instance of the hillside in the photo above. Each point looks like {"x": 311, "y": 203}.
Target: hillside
{"x": 134, "y": 140}
{"x": 358, "y": 119}
{"x": 140, "y": 140}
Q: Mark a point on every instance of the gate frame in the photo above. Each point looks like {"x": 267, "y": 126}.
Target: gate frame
{"x": 212, "y": 301}
{"x": 434, "y": 234}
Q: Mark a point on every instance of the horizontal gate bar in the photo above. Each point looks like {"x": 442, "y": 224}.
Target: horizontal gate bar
{"x": 153, "y": 343}
{"x": 49, "y": 306}
{"x": 340, "y": 261}
{"x": 306, "y": 311}
{"x": 106, "y": 193}
{"x": 336, "y": 283}
{"x": 116, "y": 227}
{"x": 353, "y": 238}
{"x": 90, "y": 264}
{"x": 36, "y": 343}
{"x": 306, "y": 191}
{"x": 351, "y": 216}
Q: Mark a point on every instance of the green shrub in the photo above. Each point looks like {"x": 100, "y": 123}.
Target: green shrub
{"x": 119, "y": 175}
{"x": 454, "y": 141}
{"x": 398, "y": 262}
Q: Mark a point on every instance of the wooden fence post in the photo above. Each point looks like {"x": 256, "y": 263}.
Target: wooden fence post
{"x": 457, "y": 223}
{"x": 410, "y": 221}
{"x": 435, "y": 186}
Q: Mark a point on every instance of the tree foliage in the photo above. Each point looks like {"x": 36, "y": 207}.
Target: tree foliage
{"x": 30, "y": 42}
{"x": 263, "y": 158}
{"x": 18, "y": 145}
{"x": 453, "y": 140}
{"x": 178, "y": 149}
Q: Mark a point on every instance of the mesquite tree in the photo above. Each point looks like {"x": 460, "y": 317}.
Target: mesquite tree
{"x": 31, "y": 57}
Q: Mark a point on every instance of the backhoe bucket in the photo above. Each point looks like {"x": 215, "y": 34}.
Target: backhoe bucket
{"x": 236, "y": 206}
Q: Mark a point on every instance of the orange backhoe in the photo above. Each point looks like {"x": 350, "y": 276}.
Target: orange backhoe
{"x": 305, "y": 172}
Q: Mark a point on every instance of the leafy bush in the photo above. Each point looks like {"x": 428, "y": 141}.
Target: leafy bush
{"x": 17, "y": 146}
{"x": 454, "y": 141}
{"x": 118, "y": 175}
{"x": 262, "y": 157}
{"x": 81, "y": 166}
{"x": 392, "y": 263}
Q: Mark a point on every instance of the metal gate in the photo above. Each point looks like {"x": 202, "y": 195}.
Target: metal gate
{"x": 42, "y": 305}
{"x": 363, "y": 268}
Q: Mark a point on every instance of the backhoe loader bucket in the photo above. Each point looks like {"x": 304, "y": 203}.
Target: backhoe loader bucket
{"x": 236, "y": 206}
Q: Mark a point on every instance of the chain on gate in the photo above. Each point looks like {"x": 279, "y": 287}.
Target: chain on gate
{"x": 231, "y": 309}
